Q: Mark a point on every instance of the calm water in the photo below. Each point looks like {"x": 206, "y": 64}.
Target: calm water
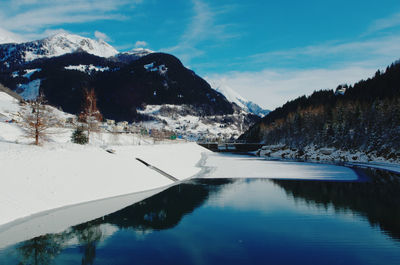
{"x": 238, "y": 221}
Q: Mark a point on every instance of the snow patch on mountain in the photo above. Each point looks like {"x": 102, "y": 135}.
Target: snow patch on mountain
{"x": 30, "y": 91}
{"x": 161, "y": 69}
{"x": 138, "y": 52}
{"x": 236, "y": 98}
{"x": 86, "y": 68}
{"x": 30, "y": 72}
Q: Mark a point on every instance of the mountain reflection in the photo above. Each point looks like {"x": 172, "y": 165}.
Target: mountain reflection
{"x": 378, "y": 199}
{"x": 161, "y": 211}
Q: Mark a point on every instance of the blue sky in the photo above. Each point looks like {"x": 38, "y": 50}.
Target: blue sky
{"x": 268, "y": 51}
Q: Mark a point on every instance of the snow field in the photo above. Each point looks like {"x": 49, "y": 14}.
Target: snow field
{"x": 36, "y": 179}
{"x": 216, "y": 165}
{"x": 59, "y": 173}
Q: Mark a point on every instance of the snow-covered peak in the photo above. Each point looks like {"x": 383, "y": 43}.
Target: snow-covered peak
{"x": 56, "y": 45}
{"x": 234, "y": 97}
{"x": 231, "y": 95}
{"x": 139, "y": 52}
{"x": 63, "y": 43}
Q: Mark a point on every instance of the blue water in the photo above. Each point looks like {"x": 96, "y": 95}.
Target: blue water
{"x": 238, "y": 221}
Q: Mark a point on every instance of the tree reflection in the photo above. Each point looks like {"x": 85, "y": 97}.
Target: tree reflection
{"x": 41, "y": 250}
{"x": 378, "y": 199}
{"x": 162, "y": 211}
{"x": 89, "y": 236}
{"x": 166, "y": 209}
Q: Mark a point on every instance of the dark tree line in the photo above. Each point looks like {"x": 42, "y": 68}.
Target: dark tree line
{"x": 366, "y": 118}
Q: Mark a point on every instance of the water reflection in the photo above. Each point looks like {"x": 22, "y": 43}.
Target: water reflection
{"x": 166, "y": 209}
{"x": 89, "y": 235}
{"x": 162, "y": 211}
{"x": 41, "y": 250}
{"x": 377, "y": 199}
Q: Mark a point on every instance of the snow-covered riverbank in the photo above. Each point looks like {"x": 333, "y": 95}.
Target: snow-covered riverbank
{"x": 35, "y": 179}
{"x": 330, "y": 156}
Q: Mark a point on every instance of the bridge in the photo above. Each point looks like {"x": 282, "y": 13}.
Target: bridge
{"x": 235, "y": 147}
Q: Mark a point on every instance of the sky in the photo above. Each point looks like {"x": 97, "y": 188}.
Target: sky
{"x": 268, "y": 51}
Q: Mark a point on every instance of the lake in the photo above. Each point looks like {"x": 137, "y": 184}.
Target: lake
{"x": 354, "y": 220}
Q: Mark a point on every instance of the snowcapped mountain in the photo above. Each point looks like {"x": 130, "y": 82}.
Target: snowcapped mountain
{"x": 236, "y": 98}
{"x": 53, "y": 46}
{"x": 137, "y": 85}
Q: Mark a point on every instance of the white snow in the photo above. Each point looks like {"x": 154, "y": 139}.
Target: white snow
{"x": 87, "y": 68}
{"x": 36, "y": 179}
{"x": 57, "y": 45}
{"x": 216, "y": 165}
{"x": 234, "y": 97}
{"x": 231, "y": 95}
{"x": 8, "y": 105}
{"x": 330, "y": 155}
{"x": 63, "y": 43}
{"x": 30, "y": 72}
{"x": 139, "y": 52}
{"x": 59, "y": 173}
{"x": 30, "y": 90}
{"x": 193, "y": 127}
{"x": 148, "y": 66}
{"x": 161, "y": 69}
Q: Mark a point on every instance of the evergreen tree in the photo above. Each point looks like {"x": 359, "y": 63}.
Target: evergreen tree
{"x": 79, "y": 136}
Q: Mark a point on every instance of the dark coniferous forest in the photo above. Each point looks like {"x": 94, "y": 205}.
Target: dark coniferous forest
{"x": 364, "y": 117}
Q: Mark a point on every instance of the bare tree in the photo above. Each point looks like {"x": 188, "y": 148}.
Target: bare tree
{"x": 37, "y": 118}
{"x": 90, "y": 113}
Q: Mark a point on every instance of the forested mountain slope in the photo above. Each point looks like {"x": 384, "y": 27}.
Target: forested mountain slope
{"x": 363, "y": 117}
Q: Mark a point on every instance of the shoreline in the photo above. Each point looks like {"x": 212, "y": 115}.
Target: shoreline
{"x": 328, "y": 156}
{"x": 30, "y": 187}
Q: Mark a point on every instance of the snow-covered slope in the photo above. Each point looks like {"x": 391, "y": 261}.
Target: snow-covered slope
{"x": 187, "y": 122}
{"x": 236, "y": 98}
{"x": 139, "y": 52}
{"x": 133, "y": 55}
{"x": 53, "y": 46}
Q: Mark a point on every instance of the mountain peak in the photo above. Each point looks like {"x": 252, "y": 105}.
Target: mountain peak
{"x": 53, "y": 46}
{"x": 62, "y": 43}
{"x": 234, "y": 97}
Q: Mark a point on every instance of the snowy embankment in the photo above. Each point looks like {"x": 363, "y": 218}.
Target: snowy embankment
{"x": 36, "y": 179}
{"x": 59, "y": 173}
{"x": 219, "y": 165}
{"x": 330, "y": 155}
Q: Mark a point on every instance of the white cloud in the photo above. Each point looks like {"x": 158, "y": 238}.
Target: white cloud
{"x": 33, "y": 17}
{"x": 383, "y": 49}
{"x": 201, "y": 29}
{"x": 101, "y": 36}
{"x": 140, "y": 43}
{"x": 272, "y": 88}
{"x": 9, "y": 37}
{"x": 385, "y": 23}
{"x": 342, "y": 63}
